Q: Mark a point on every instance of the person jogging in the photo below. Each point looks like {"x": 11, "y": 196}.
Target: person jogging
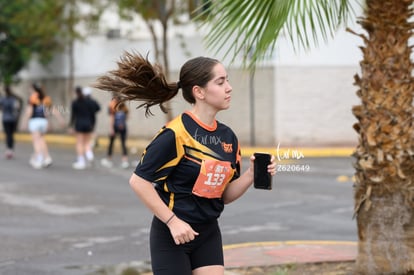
{"x": 38, "y": 110}
{"x": 89, "y": 154}
{"x": 11, "y": 106}
{"x": 191, "y": 168}
{"x": 118, "y": 115}
{"x": 82, "y": 121}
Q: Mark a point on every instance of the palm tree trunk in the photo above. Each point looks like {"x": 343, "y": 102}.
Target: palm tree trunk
{"x": 384, "y": 187}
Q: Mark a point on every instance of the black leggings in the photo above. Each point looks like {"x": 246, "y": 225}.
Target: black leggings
{"x": 122, "y": 133}
{"x": 167, "y": 258}
{"x": 9, "y": 128}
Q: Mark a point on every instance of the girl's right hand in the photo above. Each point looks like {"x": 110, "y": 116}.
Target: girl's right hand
{"x": 181, "y": 231}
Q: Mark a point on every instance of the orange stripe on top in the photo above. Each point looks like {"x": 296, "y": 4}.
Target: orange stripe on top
{"x": 47, "y": 101}
{"x": 34, "y": 100}
{"x": 113, "y": 109}
{"x": 202, "y": 124}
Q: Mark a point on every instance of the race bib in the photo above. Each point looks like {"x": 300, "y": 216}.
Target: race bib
{"x": 213, "y": 178}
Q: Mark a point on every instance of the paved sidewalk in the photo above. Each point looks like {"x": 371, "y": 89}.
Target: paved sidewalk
{"x": 278, "y": 253}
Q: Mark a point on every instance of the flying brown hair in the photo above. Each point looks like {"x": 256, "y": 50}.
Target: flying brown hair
{"x": 137, "y": 79}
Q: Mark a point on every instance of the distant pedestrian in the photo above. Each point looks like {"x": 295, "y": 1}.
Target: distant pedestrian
{"x": 87, "y": 92}
{"x": 11, "y": 106}
{"x": 39, "y": 109}
{"x": 82, "y": 120}
{"x": 118, "y": 126}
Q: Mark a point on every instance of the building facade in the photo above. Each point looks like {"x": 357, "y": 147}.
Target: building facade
{"x": 294, "y": 99}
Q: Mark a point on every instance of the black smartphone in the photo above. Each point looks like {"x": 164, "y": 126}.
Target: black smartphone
{"x": 262, "y": 178}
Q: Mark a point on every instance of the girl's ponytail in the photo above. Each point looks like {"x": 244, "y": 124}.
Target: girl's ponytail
{"x": 136, "y": 79}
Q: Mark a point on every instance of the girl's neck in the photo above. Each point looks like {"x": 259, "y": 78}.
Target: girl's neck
{"x": 207, "y": 118}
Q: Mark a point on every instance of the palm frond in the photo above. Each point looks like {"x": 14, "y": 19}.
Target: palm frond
{"x": 250, "y": 29}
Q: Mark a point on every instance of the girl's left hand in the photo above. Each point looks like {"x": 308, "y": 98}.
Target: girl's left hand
{"x": 271, "y": 168}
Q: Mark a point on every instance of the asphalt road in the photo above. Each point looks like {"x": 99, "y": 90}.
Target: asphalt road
{"x": 61, "y": 221}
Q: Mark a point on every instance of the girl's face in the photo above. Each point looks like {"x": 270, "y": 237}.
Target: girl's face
{"x": 217, "y": 92}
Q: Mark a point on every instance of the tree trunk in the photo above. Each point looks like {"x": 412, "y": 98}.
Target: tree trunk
{"x": 71, "y": 52}
{"x": 384, "y": 188}
{"x": 170, "y": 114}
{"x": 151, "y": 28}
{"x": 161, "y": 55}
{"x": 70, "y": 87}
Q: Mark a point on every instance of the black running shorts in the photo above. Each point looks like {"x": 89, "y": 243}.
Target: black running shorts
{"x": 167, "y": 258}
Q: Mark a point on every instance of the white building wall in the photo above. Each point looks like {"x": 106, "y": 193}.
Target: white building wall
{"x": 302, "y": 98}
{"x": 314, "y": 105}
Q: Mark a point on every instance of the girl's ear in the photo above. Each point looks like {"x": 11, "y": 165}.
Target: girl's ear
{"x": 198, "y": 92}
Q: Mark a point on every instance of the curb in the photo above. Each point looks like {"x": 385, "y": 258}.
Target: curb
{"x": 280, "y": 153}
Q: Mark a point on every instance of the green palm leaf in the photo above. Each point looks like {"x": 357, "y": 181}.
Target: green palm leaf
{"x": 252, "y": 27}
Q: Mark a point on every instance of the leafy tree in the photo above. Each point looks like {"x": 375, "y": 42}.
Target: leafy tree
{"x": 41, "y": 28}
{"x": 384, "y": 186}
{"x": 255, "y": 26}
{"x": 9, "y": 67}
{"x": 27, "y": 28}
